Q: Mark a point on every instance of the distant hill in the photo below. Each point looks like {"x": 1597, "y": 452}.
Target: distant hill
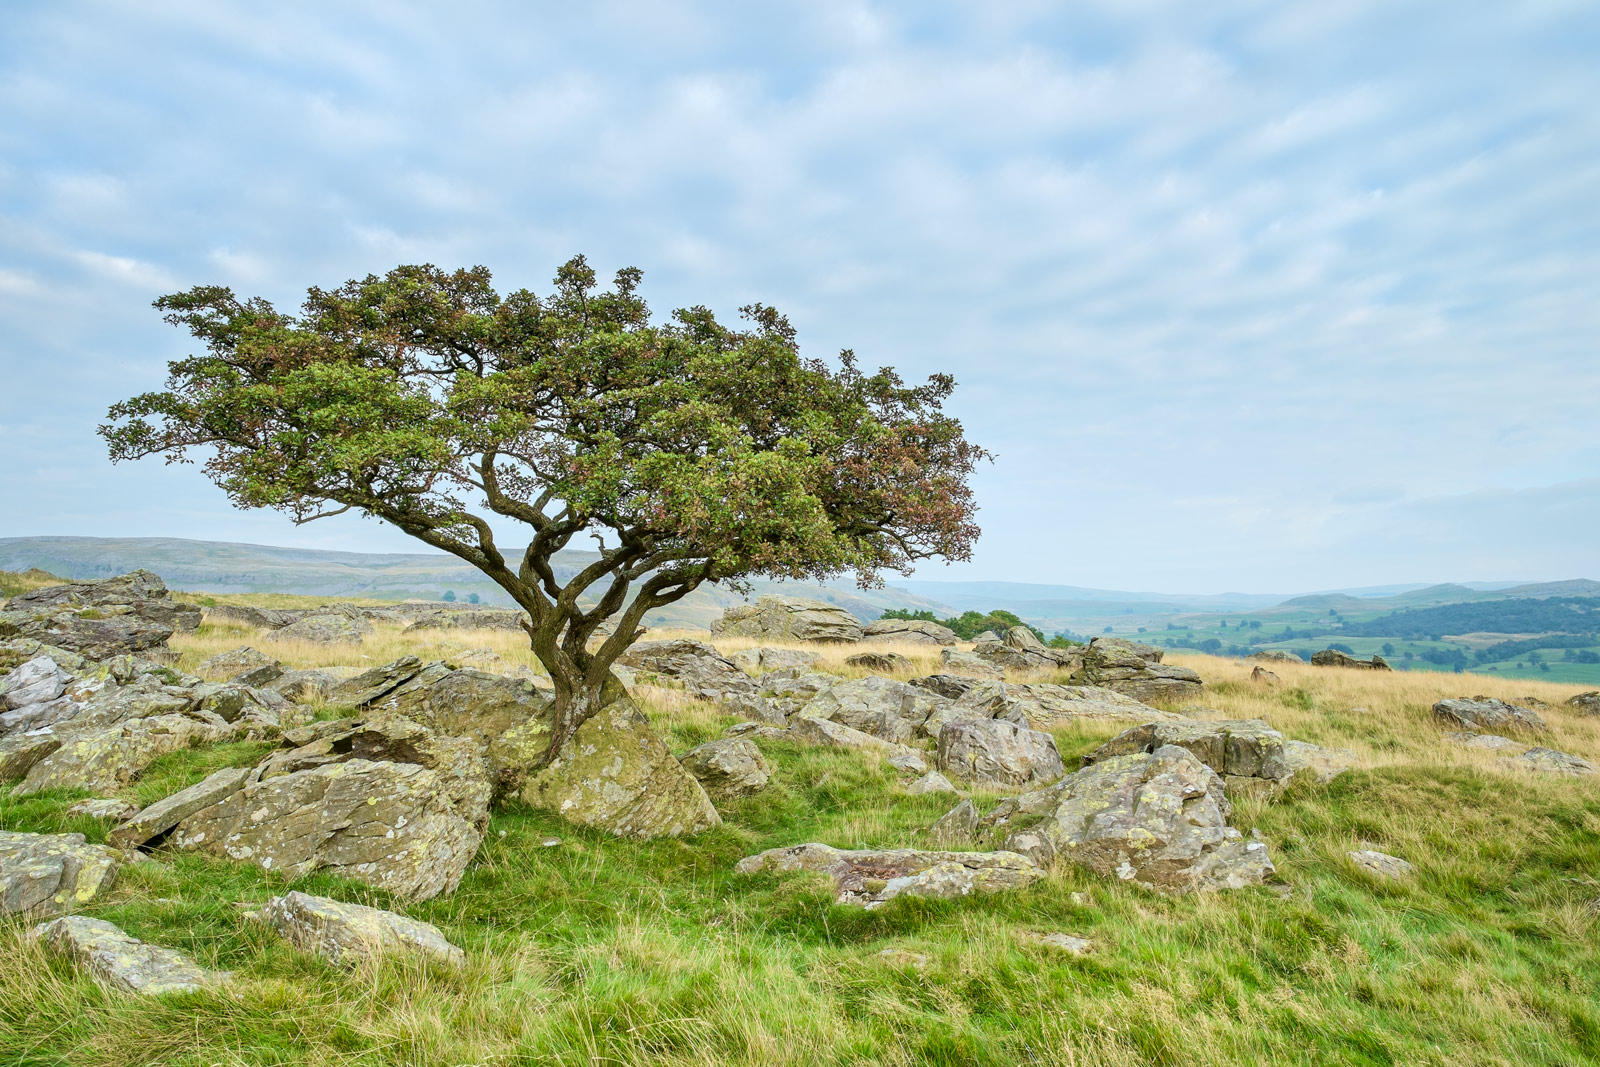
{"x": 228, "y": 567}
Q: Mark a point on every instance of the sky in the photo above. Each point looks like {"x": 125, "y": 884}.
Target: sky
{"x": 1243, "y": 296}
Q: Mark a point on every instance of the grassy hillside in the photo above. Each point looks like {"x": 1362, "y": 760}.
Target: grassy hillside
{"x": 600, "y": 951}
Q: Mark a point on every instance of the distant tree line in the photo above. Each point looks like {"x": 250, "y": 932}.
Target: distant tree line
{"x": 1519, "y": 615}
{"x": 970, "y": 624}
{"x": 1513, "y": 649}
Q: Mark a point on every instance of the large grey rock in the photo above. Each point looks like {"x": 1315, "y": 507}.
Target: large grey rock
{"x": 1273, "y": 655}
{"x": 788, "y": 618}
{"x": 104, "y": 759}
{"x": 1112, "y": 665}
{"x": 999, "y": 754}
{"x": 729, "y": 768}
{"x": 99, "y": 619}
{"x": 1046, "y": 707}
{"x": 881, "y": 707}
{"x": 792, "y": 688}
{"x": 1330, "y": 657}
{"x": 1586, "y": 703}
{"x": 952, "y": 686}
{"x": 1158, "y": 819}
{"x": 328, "y": 629}
{"x": 35, "y": 682}
{"x": 1486, "y": 715}
{"x": 958, "y": 826}
{"x": 390, "y": 825}
{"x": 1492, "y": 742}
{"x": 1148, "y": 653}
{"x": 247, "y": 615}
{"x": 305, "y": 687}
{"x": 51, "y": 874}
{"x": 764, "y": 658}
{"x": 917, "y": 631}
{"x": 872, "y": 877}
{"x": 235, "y": 662}
{"x": 703, "y": 671}
{"x": 1549, "y": 761}
{"x": 830, "y": 734}
{"x": 1022, "y": 650}
{"x": 879, "y": 662}
{"x": 616, "y": 774}
{"x": 371, "y": 685}
{"x": 20, "y": 751}
{"x": 349, "y": 935}
{"x": 508, "y": 619}
{"x": 1244, "y": 751}
{"x": 122, "y": 962}
{"x": 154, "y": 821}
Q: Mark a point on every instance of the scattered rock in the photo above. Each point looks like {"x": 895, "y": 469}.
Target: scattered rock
{"x": 792, "y": 688}
{"x": 1381, "y": 865}
{"x": 1022, "y": 650}
{"x": 1071, "y": 944}
{"x": 235, "y": 662}
{"x": 970, "y": 664}
{"x": 1158, "y": 819}
{"x": 370, "y": 685}
{"x": 1118, "y": 667}
{"x": 1549, "y": 761}
{"x": 104, "y": 760}
{"x": 880, "y": 662}
{"x": 837, "y": 735}
{"x": 1485, "y": 715}
{"x": 952, "y": 686}
{"x": 899, "y": 957}
{"x": 1332, "y": 658}
{"x": 1492, "y": 742}
{"x": 509, "y": 619}
{"x": 881, "y": 707}
{"x": 909, "y": 761}
{"x": 703, "y": 671}
{"x": 615, "y": 774}
{"x": 1246, "y": 752}
{"x": 103, "y": 808}
{"x": 872, "y": 877}
{"x": 390, "y": 825}
{"x": 958, "y": 826}
{"x": 154, "y": 821}
{"x": 1262, "y": 676}
{"x": 19, "y": 752}
{"x": 349, "y": 935}
{"x": 125, "y": 963}
{"x": 1586, "y": 703}
{"x": 1148, "y": 653}
{"x": 51, "y": 874}
{"x": 100, "y": 619}
{"x": 995, "y": 753}
{"x": 305, "y": 687}
{"x": 1273, "y": 655}
{"x": 728, "y": 768}
{"x": 322, "y": 630}
{"x": 932, "y": 782}
{"x": 763, "y": 658}
{"x": 919, "y": 631}
{"x": 1044, "y": 706}
{"x": 788, "y": 618}
{"x": 758, "y": 729}
{"x": 35, "y": 682}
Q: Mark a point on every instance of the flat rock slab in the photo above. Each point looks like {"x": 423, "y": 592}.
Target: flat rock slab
{"x": 1237, "y": 749}
{"x": 1549, "y": 761}
{"x": 168, "y": 812}
{"x": 918, "y": 631}
{"x": 872, "y": 877}
{"x": 1586, "y": 703}
{"x": 103, "y": 808}
{"x": 1492, "y": 742}
{"x": 1485, "y": 715}
{"x": 1044, "y": 706}
{"x": 106, "y": 759}
{"x": 122, "y": 962}
{"x": 1382, "y": 865}
{"x": 1071, "y": 944}
{"x": 349, "y": 935}
{"x": 789, "y": 618}
{"x": 932, "y": 782}
{"x": 995, "y": 753}
{"x": 51, "y": 874}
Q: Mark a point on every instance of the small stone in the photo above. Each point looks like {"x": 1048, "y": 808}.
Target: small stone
{"x": 1262, "y": 676}
{"x": 550, "y": 842}
{"x": 899, "y": 957}
{"x": 958, "y": 826}
{"x": 871, "y": 877}
{"x": 1382, "y": 865}
{"x": 909, "y": 763}
{"x": 1071, "y": 944}
{"x": 1492, "y": 742}
{"x": 1549, "y": 761}
{"x": 125, "y": 963}
{"x": 352, "y": 934}
{"x": 932, "y": 782}
{"x": 729, "y": 768}
{"x": 102, "y": 808}
{"x": 51, "y": 874}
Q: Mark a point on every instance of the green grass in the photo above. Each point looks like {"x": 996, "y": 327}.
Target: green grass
{"x": 600, "y": 951}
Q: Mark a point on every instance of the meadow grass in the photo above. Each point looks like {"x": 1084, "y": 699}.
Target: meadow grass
{"x": 601, "y": 951}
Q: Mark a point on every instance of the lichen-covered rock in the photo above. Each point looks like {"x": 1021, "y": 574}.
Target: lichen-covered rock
{"x": 882, "y": 707}
{"x": 872, "y": 877}
{"x": 1586, "y": 703}
{"x": 790, "y": 689}
{"x": 372, "y": 684}
{"x": 125, "y": 963}
{"x": 1273, "y": 655}
{"x": 932, "y": 782}
{"x": 51, "y": 874}
{"x": 105, "y": 759}
{"x": 1486, "y": 715}
{"x": 788, "y": 618}
{"x": 1237, "y": 749}
{"x": 1044, "y": 706}
{"x": 729, "y": 768}
{"x": 1262, "y": 676}
{"x": 349, "y": 935}
{"x": 99, "y": 619}
{"x": 879, "y": 662}
{"x": 703, "y": 671}
{"x": 35, "y": 682}
{"x": 1549, "y": 761}
{"x": 831, "y": 734}
{"x": 958, "y": 826}
{"x": 1115, "y": 666}
{"x": 20, "y": 751}
{"x": 102, "y": 808}
{"x": 970, "y": 664}
{"x": 1330, "y": 657}
{"x": 390, "y": 825}
{"x": 235, "y": 662}
{"x": 919, "y": 631}
{"x": 616, "y": 774}
{"x": 764, "y": 658}
{"x": 305, "y": 687}
{"x": 950, "y": 686}
{"x": 1492, "y": 742}
{"x": 154, "y": 821}
{"x": 1001, "y": 754}
{"x": 1382, "y": 865}
{"x": 1022, "y": 650}
{"x": 1148, "y": 653}
{"x": 1158, "y": 819}
{"x": 246, "y": 615}
{"x": 328, "y": 629}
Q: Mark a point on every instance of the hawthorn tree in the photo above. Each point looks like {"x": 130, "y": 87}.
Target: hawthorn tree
{"x": 693, "y": 452}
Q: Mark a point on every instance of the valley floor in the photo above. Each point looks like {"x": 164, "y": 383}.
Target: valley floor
{"x": 601, "y": 951}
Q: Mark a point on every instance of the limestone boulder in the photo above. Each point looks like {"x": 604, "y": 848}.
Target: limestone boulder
{"x": 122, "y": 962}
{"x": 1148, "y": 653}
{"x": 1117, "y": 667}
{"x": 1549, "y": 761}
{"x": 349, "y": 935}
{"x": 884, "y": 708}
{"x": 1382, "y": 865}
{"x": 152, "y": 823}
{"x": 879, "y": 662}
{"x": 872, "y": 877}
{"x": 1492, "y": 742}
{"x": 789, "y": 618}
{"x": 52, "y": 874}
{"x": 792, "y": 688}
{"x": 1486, "y": 715}
{"x": 916, "y": 631}
{"x": 958, "y": 826}
{"x": 104, "y": 759}
{"x": 20, "y": 751}
{"x": 952, "y": 686}
{"x": 371, "y": 685}
{"x": 616, "y": 774}
{"x": 1044, "y": 706}
{"x": 829, "y": 734}
{"x": 729, "y": 768}
{"x": 969, "y": 664}
{"x": 1020, "y": 649}
{"x": 99, "y": 619}
{"x": 764, "y": 658}
{"x": 235, "y": 662}
{"x": 35, "y": 682}
{"x": 1247, "y": 753}
{"x": 390, "y": 825}
{"x": 998, "y": 754}
{"x": 1273, "y": 655}
{"x": 102, "y": 808}
{"x": 1262, "y": 676}
{"x": 247, "y": 615}
{"x": 1158, "y": 819}
{"x": 703, "y": 671}
{"x": 1586, "y": 703}
{"x": 1330, "y": 657}
{"x": 324, "y": 629}
{"x": 305, "y": 687}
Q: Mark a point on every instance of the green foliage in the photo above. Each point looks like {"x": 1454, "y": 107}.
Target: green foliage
{"x": 449, "y": 596}
{"x": 968, "y": 624}
{"x": 1517, "y": 615}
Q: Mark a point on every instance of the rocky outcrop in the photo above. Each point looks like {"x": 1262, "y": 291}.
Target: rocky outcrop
{"x": 1022, "y": 650}
{"x": 305, "y": 687}
{"x": 916, "y": 631}
{"x": 38, "y": 681}
{"x": 998, "y": 754}
{"x": 99, "y": 619}
{"x": 151, "y": 824}
{"x": 1586, "y": 703}
{"x": 1247, "y": 753}
{"x": 953, "y": 686}
{"x": 371, "y": 685}
{"x": 1329, "y": 657}
{"x": 1549, "y": 761}
{"x": 729, "y": 768}
{"x": 1117, "y": 667}
{"x": 970, "y": 664}
{"x": 1273, "y": 655}
{"x": 881, "y": 707}
{"x": 879, "y": 662}
{"x": 792, "y": 688}
{"x": 703, "y": 671}
{"x": 327, "y": 629}
{"x": 788, "y": 618}
{"x": 390, "y": 825}
{"x": 349, "y": 935}
{"x": 1158, "y": 819}
{"x": 1046, "y": 707}
{"x": 763, "y": 658}
{"x": 830, "y": 734}
{"x": 51, "y": 874}
{"x": 1262, "y": 676}
{"x": 1485, "y": 715}
{"x": 872, "y": 877}
{"x": 124, "y": 963}
{"x": 235, "y": 662}
{"x": 105, "y": 759}
{"x": 615, "y": 774}
{"x": 481, "y": 619}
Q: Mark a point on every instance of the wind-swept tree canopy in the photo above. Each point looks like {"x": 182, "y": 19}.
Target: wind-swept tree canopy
{"x": 697, "y": 452}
